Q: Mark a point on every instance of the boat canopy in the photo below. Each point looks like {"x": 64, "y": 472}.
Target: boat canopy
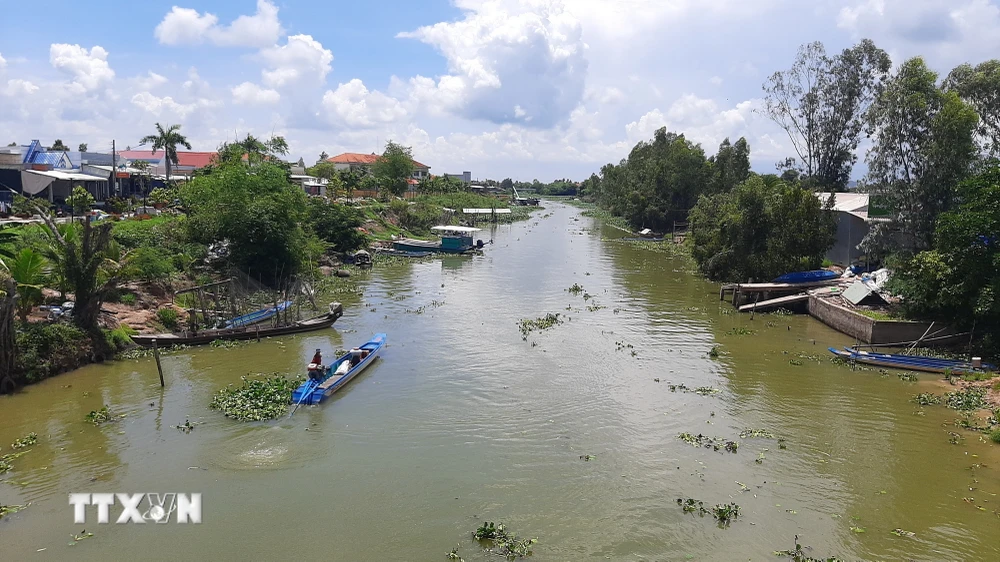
{"x": 457, "y": 229}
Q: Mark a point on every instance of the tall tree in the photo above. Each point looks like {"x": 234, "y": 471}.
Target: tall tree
{"x": 8, "y": 336}
{"x": 821, "y": 102}
{"x": 253, "y": 151}
{"x": 167, "y": 140}
{"x": 394, "y": 168}
{"x": 58, "y": 146}
{"x": 323, "y": 157}
{"x": 731, "y": 166}
{"x": 923, "y": 147}
{"x": 979, "y": 86}
{"x": 82, "y": 147}
{"x": 27, "y": 269}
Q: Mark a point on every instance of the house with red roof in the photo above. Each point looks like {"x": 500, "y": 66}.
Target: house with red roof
{"x": 187, "y": 162}
{"x": 357, "y": 162}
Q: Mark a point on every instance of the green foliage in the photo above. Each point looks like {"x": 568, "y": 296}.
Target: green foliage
{"x": 45, "y": 350}
{"x": 118, "y": 205}
{"x": 759, "y": 231}
{"x": 26, "y": 441}
{"x": 923, "y": 147}
{"x": 256, "y": 210}
{"x": 504, "y": 543}
{"x": 440, "y": 184}
{"x": 80, "y": 200}
{"x": 978, "y": 86}
{"x": 168, "y": 317}
{"x": 957, "y": 282}
{"x": 161, "y": 196}
{"x": 120, "y": 338}
{"x": 336, "y": 224}
{"x": 394, "y": 168}
{"x": 151, "y": 265}
{"x": 102, "y": 416}
{"x": 995, "y": 435}
{"x": 256, "y": 399}
{"x": 821, "y": 102}
{"x": 969, "y": 398}
{"x": 28, "y": 269}
{"x": 128, "y": 299}
{"x": 418, "y": 217}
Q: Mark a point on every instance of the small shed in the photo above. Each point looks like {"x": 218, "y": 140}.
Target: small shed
{"x": 859, "y": 293}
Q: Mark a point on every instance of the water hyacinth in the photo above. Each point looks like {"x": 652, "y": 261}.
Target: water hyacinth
{"x": 26, "y": 441}
{"x": 256, "y": 399}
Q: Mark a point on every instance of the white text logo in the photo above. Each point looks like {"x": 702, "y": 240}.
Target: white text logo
{"x": 138, "y": 508}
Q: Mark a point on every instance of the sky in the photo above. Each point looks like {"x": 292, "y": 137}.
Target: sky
{"x": 524, "y": 89}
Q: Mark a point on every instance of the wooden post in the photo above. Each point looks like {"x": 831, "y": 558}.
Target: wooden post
{"x": 156, "y": 355}
{"x": 256, "y": 328}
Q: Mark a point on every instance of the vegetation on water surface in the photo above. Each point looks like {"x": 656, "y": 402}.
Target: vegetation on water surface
{"x": 5, "y": 465}
{"x": 714, "y": 443}
{"x": 969, "y": 398}
{"x": 26, "y": 441}
{"x": 256, "y": 399}
{"x": 503, "y": 543}
{"x": 10, "y": 509}
{"x": 798, "y": 554}
{"x": 543, "y": 323}
{"x": 104, "y": 415}
{"x": 723, "y": 513}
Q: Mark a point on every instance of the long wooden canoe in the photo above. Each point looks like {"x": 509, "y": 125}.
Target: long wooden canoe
{"x": 912, "y": 362}
{"x": 243, "y": 332}
{"x": 314, "y": 392}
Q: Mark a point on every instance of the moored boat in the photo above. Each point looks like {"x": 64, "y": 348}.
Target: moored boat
{"x": 339, "y": 373}
{"x": 454, "y": 240}
{"x": 912, "y": 362}
{"x": 258, "y": 316}
{"x": 807, "y": 276}
{"x": 243, "y": 332}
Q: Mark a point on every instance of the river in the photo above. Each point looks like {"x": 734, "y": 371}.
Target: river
{"x": 567, "y": 437}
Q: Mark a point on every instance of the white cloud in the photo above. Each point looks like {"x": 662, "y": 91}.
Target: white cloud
{"x": 185, "y": 26}
{"x": 89, "y": 69}
{"x": 249, "y": 93}
{"x": 946, "y": 33}
{"x": 353, "y": 105}
{"x": 167, "y": 106}
{"x": 150, "y": 81}
{"x": 3, "y": 63}
{"x": 302, "y": 60}
{"x": 715, "y": 81}
{"x": 17, "y": 87}
{"x": 528, "y": 53}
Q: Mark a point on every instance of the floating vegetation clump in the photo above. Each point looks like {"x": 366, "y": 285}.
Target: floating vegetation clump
{"x": 104, "y": 415}
{"x": 691, "y": 505}
{"x": 714, "y": 443}
{"x": 714, "y": 352}
{"x": 10, "y": 509}
{"x": 702, "y": 390}
{"x": 970, "y": 398}
{"x": 504, "y": 543}
{"x": 902, "y": 533}
{"x": 726, "y": 513}
{"x": 186, "y": 427}
{"x": 741, "y": 331}
{"x": 5, "y": 465}
{"x": 256, "y": 399}
{"x": 909, "y": 377}
{"x": 229, "y": 344}
{"x": 26, "y": 441}
{"x": 927, "y": 399}
{"x": 587, "y": 457}
{"x": 595, "y": 307}
{"x": 995, "y": 435}
{"x": 543, "y": 323}
{"x": 756, "y": 434}
{"x": 798, "y": 554}
{"x": 575, "y": 289}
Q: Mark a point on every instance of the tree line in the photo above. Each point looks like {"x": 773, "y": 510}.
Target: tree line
{"x": 932, "y": 148}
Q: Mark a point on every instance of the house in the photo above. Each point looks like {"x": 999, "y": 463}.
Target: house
{"x": 465, "y": 177}
{"x": 187, "y": 162}
{"x": 853, "y": 225}
{"x": 33, "y": 170}
{"x": 357, "y": 162}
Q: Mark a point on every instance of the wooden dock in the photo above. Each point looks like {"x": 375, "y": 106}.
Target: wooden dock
{"x": 766, "y": 290}
{"x": 774, "y": 303}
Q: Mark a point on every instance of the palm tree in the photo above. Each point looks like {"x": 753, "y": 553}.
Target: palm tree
{"x": 167, "y": 140}
{"x": 28, "y": 270}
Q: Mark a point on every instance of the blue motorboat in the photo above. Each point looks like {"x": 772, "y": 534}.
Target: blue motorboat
{"x": 912, "y": 362}
{"x": 258, "y": 316}
{"x": 338, "y": 374}
{"x": 815, "y": 276}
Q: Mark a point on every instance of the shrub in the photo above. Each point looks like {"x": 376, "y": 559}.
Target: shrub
{"x": 49, "y": 349}
{"x": 336, "y": 224}
{"x": 151, "y": 264}
{"x": 419, "y": 217}
{"x": 128, "y": 299}
{"x": 995, "y": 435}
{"x": 167, "y": 317}
{"x": 120, "y": 337}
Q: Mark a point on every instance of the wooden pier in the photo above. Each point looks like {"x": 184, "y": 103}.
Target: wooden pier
{"x": 767, "y": 291}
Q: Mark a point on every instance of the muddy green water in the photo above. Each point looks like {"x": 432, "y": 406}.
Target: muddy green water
{"x": 461, "y": 421}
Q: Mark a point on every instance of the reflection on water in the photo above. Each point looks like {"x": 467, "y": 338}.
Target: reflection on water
{"x": 461, "y": 421}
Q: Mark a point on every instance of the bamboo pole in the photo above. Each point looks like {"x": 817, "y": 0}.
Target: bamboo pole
{"x": 156, "y": 355}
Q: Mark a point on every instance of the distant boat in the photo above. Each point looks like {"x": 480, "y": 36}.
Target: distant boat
{"x": 807, "y": 276}
{"x": 258, "y": 316}
{"x": 339, "y": 373}
{"x": 912, "y": 362}
{"x": 242, "y": 332}
{"x": 454, "y": 240}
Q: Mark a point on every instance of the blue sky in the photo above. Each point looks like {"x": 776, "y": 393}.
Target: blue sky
{"x": 522, "y": 88}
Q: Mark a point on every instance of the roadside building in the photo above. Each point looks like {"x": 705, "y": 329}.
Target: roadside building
{"x": 853, "y": 225}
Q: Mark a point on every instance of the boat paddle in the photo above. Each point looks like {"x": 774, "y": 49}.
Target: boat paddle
{"x": 310, "y": 387}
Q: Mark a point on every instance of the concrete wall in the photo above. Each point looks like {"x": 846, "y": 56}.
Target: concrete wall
{"x": 876, "y": 332}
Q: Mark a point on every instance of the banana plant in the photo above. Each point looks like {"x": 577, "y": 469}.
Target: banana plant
{"x": 28, "y": 269}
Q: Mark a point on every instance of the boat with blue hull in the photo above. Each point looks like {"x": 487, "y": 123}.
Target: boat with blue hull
{"x": 257, "y": 316}
{"x": 807, "y": 276}
{"x": 338, "y": 374}
{"x": 912, "y": 362}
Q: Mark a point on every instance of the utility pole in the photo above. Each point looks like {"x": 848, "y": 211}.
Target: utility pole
{"x": 114, "y": 165}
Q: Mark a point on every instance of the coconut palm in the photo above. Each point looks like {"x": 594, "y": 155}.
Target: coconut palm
{"x": 168, "y": 140}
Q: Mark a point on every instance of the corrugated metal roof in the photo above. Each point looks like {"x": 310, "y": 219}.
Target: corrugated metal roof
{"x": 364, "y": 159}
{"x": 67, "y": 175}
{"x": 49, "y": 158}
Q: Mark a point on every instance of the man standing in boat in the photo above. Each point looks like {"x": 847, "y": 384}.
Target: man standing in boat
{"x": 316, "y": 366}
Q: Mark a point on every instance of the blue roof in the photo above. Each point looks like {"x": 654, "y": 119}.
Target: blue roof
{"x": 53, "y": 159}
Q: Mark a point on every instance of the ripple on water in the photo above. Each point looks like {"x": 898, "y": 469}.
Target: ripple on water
{"x": 262, "y": 448}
